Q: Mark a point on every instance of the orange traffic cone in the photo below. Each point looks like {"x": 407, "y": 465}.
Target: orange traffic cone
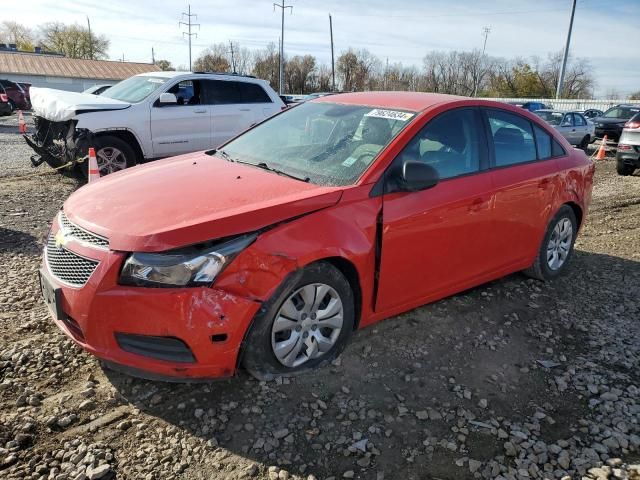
{"x": 94, "y": 171}
{"x": 602, "y": 152}
{"x": 22, "y": 125}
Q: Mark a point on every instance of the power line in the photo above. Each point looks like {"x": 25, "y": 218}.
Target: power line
{"x": 566, "y": 51}
{"x": 283, "y": 7}
{"x": 189, "y": 24}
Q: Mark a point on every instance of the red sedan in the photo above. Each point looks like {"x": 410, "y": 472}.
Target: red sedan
{"x": 271, "y": 250}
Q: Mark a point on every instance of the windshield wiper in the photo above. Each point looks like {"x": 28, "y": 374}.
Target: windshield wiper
{"x": 224, "y": 155}
{"x": 264, "y": 166}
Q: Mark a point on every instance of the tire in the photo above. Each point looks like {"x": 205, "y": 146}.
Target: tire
{"x": 259, "y": 355}
{"x": 106, "y": 147}
{"x": 12, "y": 106}
{"x": 541, "y": 268}
{"x": 584, "y": 144}
{"x": 624, "y": 169}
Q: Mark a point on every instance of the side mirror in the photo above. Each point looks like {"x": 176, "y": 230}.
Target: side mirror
{"x": 167, "y": 99}
{"x": 416, "y": 176}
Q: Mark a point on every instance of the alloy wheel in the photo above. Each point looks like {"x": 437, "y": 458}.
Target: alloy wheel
{"x": 559, "y": 244}
{"x": 110, "y": 160}
{"x": 307, "y": 325}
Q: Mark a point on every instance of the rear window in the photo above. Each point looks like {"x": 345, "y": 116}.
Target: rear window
{"x": 624, "y": 113}
{"x": 556, "y": 149}
{"x": 512, "y": 138}
{"x": 543, "y": 142}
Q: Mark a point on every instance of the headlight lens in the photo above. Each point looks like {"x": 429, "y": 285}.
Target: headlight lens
{"x": 184, "y": 268}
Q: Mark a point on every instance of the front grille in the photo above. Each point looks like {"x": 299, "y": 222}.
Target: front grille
{"x": 80, "y": 234}
{"x": 67, "y": 266}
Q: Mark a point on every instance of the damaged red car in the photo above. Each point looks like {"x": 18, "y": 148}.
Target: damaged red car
{"x": 268, "y": 252}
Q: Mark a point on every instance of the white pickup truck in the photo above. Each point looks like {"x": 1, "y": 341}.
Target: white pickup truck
{"x": 152, "y": 115}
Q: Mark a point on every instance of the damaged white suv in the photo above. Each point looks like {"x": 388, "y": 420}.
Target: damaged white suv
{"x": 152, "y": 115}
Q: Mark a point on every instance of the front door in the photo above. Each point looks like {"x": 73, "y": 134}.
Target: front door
{"x": 183, "y": 127}
{"x": 567, "y": 129}
{"x": 439, "y": 240}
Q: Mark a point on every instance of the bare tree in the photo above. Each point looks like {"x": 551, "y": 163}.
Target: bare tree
{"x": 73, "y": 41}
{"x": 297, "y": 72}
{"x": 164, "y": 65}
{"x": 265, "y": 64}
{"x": 18, "y": 34}
{"x": 213, "y": 59}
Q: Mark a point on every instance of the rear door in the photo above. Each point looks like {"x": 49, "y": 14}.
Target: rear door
{"x": 581, "y": 127}
{"x": 524, "y": 176}
{"x": 230, "y": 113}
{"x": 438, "y": 240}
{"x": 568, "y": 129}
{"x": 182, "y": 127}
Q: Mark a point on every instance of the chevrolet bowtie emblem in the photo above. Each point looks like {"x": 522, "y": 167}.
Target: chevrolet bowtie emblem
{"x": 60, "y": 239}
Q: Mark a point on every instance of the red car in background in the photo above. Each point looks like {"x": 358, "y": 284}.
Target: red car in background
{"x": 18, "y": 99}
{"x": 269, "y": 251}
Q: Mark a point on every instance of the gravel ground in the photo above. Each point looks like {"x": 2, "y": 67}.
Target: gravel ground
{"x": 514, "y": 379}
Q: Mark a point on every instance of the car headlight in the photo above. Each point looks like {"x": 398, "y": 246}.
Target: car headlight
{"x": 182, "y": 268}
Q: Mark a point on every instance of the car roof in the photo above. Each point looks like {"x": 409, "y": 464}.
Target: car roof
{"x": 413, "y": 101}
{"x": 174, "y": 74}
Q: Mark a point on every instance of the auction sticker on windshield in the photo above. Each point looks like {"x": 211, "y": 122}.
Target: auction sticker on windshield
{"x": 390, "y": 114}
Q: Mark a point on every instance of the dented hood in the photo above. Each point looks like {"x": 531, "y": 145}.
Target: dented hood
{"x": 60, "y": 106}
{"x": 190, "y": 199}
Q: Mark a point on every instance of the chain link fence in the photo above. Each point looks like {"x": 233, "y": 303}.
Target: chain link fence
{"x": 569, "y": 104}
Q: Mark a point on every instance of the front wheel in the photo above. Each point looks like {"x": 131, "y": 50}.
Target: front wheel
{"x": 584, "y": 144}
{"x": 305, "y": 324}
{"x": 113, "y": 154}
{"x": 557, "y": 246}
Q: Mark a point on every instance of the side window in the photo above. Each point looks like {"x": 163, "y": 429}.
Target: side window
{"x": 512, "y": 138}
{"x": 567, "y": 120}
{"x": 557, "y": 150}
{"x": 578, "y": 120}
{"x": 187, "y": 92}
{"x": 543, "y": 141}
{"x": 253, "y": 93}
{"x": 451, "y": 143}
{"x": 223, "y": 92}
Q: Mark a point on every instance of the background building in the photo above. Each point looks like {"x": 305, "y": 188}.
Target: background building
{"x": 57, "y": 71}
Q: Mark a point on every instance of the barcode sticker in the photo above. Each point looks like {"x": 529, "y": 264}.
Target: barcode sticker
{"x": 390, "y": 114}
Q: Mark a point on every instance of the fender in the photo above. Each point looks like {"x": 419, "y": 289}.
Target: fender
{"x": 143, "y": 148}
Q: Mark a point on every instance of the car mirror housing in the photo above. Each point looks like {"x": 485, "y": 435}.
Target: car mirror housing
{"x": 167, "y": 99}
{"x": 416, "y": 176}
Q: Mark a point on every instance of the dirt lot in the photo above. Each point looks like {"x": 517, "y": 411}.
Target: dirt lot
{"x": 458, "y": 389}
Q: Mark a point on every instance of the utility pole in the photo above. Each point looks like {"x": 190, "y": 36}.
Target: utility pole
{"x": 189, "y": 24}
{"x": 90, "y": 39}
{"x": 153, "y": 56}
{"x": 566, "y": 52}
{"x": 283, "y": 7}
{"x": 485, "y": 32}
{"x": 333, "y": 66}
{"x": 233, "y": 58}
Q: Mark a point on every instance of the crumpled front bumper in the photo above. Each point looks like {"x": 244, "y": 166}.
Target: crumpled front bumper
{"x": 210, "y": 322}
{"x": 58, "y": 143}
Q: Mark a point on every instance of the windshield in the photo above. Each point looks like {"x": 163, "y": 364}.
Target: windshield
{"x": 621, "y": 112}
{"x": 134, "y": 89}
{"x": 327, "y": 143}
{"x": 553, "y": 118}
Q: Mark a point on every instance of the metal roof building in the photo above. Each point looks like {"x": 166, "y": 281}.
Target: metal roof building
{"x": 72, "y": 74}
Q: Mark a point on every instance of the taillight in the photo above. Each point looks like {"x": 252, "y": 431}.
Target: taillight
{"x": 624, "y": 147}
{"x": 4, "y": 97}
{"x": 632, "y": 125}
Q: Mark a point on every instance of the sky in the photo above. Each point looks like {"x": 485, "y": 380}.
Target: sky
{"x": 605, "y": 31}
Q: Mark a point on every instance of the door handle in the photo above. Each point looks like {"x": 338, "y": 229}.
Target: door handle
{"x": 199, "y": 111}
{"x": 245, "y": 109}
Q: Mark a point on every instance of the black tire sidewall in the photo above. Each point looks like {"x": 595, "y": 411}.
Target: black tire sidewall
{"x": 624, "y": 169}
{"x": 257, "y": 354}
{"x": 111, "y": 141}
{"x": 564, "y": 211}
{"x": 584, "y": 144}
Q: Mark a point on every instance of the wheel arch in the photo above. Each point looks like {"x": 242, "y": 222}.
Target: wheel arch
{"x": 126, "y": 136}
{"x": 577, "y": 211}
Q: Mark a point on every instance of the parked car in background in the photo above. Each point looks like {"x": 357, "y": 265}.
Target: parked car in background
{"x": 628, "y": 152}
{"x": 313, "y": 96}
{"x": 26, "y": 88}
{"x": 18, "y": 99}
{"x": 292, "y": 99}
{"x": 152, "y": 115}
{"x": 531, "y": 106}
{"x": 611, "y": 122}
{"x": 97, "y": 89}
{"x": 592, "y": 113}
{"x": 269, "y": 251}
{"x": 571, "y": 125}
{"x": 5, "y": 106}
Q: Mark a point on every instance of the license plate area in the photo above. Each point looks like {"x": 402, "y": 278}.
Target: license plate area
{"x": 52, "y": 296}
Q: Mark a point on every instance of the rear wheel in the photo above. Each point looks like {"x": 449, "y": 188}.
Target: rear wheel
{"x": 305, "y": 324}
{"x": 624, "y": 169}
{"x": 584, "y": 144}
{"x": 12, "y": 105}
{"x": 557, "y": 246}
